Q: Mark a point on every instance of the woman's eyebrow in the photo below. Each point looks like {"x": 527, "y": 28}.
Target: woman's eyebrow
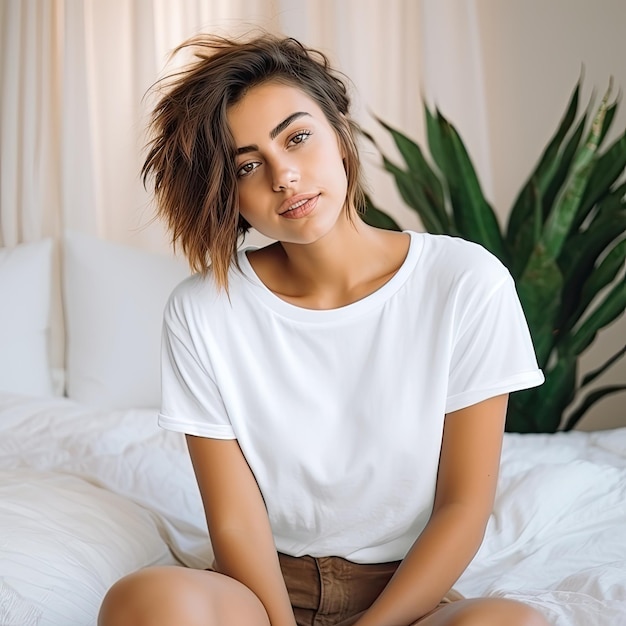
{"x": 275, "y": 131}
{"x": 280, "y": 127}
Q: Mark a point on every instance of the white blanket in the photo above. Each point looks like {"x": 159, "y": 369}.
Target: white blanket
{"x": 557, "y": 537}
{"x": 88, "y": 495}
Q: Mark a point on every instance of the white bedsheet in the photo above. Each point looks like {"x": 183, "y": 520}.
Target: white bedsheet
{"x": 88, "y": 495}
{"x": 557, "y": 538}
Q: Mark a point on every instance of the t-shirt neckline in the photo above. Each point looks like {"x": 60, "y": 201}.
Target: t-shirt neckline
{"x": 372, "y": 301}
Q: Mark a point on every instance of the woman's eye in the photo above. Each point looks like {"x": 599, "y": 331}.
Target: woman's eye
{"x": 247, "y": 169}
{"x": 301, "y": 137}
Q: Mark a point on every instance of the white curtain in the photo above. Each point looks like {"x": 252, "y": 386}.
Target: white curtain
{"x": 30, "y": 96}
{"x": 74, "y": 74}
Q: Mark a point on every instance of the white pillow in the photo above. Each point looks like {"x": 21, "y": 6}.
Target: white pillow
{"x": 114, "y": 297}
{"x": 65, "y": 542}
{"x": 25, "y": 277}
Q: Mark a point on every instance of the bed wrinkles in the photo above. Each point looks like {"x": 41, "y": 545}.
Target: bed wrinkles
{"x": 88, "y": 495}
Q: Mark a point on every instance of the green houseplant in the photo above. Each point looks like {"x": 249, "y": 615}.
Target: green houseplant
{"x": 564, "y": 244}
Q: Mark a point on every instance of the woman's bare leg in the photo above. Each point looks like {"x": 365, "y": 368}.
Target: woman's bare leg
{"x": 484, "y": 612}
{"x": 177, "y": 596}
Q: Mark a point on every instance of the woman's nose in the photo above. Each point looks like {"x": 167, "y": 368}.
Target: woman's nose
{"x": 284, "y": 176}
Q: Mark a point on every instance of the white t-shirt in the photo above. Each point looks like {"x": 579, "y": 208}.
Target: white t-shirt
{"x": 340, "y": 412}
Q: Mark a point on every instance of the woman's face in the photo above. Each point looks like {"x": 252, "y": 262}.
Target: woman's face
{"x": 291, "y": 178}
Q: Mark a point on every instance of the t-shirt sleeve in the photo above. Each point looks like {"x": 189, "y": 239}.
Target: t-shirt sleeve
{"x": 190, "y": 399}
{"x": 492, "y": 351}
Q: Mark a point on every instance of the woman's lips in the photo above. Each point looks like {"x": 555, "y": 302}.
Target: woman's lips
{"x": 299, "y": 207}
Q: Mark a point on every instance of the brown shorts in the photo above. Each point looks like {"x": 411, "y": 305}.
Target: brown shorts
{"x": 330, "y": 591}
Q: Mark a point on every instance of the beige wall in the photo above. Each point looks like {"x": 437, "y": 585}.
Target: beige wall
{"x": 533, "y": 53}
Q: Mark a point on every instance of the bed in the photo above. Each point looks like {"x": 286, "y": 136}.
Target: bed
{"x": 92, "y": 489}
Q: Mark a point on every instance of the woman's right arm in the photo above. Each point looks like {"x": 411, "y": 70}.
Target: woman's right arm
{"x": 238, "y": 523}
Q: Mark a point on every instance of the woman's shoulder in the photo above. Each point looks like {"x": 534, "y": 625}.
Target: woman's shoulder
{"x": 194, "y": 297}
{"x": 201, "y": 296}
{"x": 193, "y": 287}
{"x": 458, "y": 258}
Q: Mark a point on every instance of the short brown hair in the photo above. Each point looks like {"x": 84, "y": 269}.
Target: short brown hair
{"x": 191, "y": 156}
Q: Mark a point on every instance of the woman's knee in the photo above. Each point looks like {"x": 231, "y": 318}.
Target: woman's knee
{"x": 146, "y": 597}
{"x": 514, "y": 613}
{"x": 175, "y": 596}
{"x": 488, "y": 612}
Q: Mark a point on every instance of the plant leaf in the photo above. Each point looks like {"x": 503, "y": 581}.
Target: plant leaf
{"x": 611, "y": 307}
{"x": 474, "y": 217}
{"x": 420, "y": 169}
{"x": 529, "y": 231}
{"x": 607, "y": 168}
{"x": 375, "y": 217}
{"x": 564, "y": 212}
{"x": 427, "y": 198}
{"x": 582, "y": 279}
{"x": 413, "y": 194}
{"x": 608, "y": 121}
{"x": 433, "y": 134}
{"x": 603, "y": 275}
{"x": 545, "y": 168}
{"x": 590, "y": 399}
{"x": 563, "y": 167}
{"x": 615, "y": 201}
{"x": 539, "y": 290}
{"x": 583, "y": 248}
{"x": 591, "y": 376}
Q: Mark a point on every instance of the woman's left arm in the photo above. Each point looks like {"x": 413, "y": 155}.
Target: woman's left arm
{"x": 466, "y": 486}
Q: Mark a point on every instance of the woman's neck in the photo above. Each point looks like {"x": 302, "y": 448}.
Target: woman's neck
{"x": 349, "y": 263}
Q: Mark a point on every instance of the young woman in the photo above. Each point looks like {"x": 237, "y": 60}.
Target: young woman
{"x": 343, "y": 390}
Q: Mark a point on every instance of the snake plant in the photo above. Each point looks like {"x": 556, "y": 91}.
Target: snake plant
{"x": 564, "y": 244}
